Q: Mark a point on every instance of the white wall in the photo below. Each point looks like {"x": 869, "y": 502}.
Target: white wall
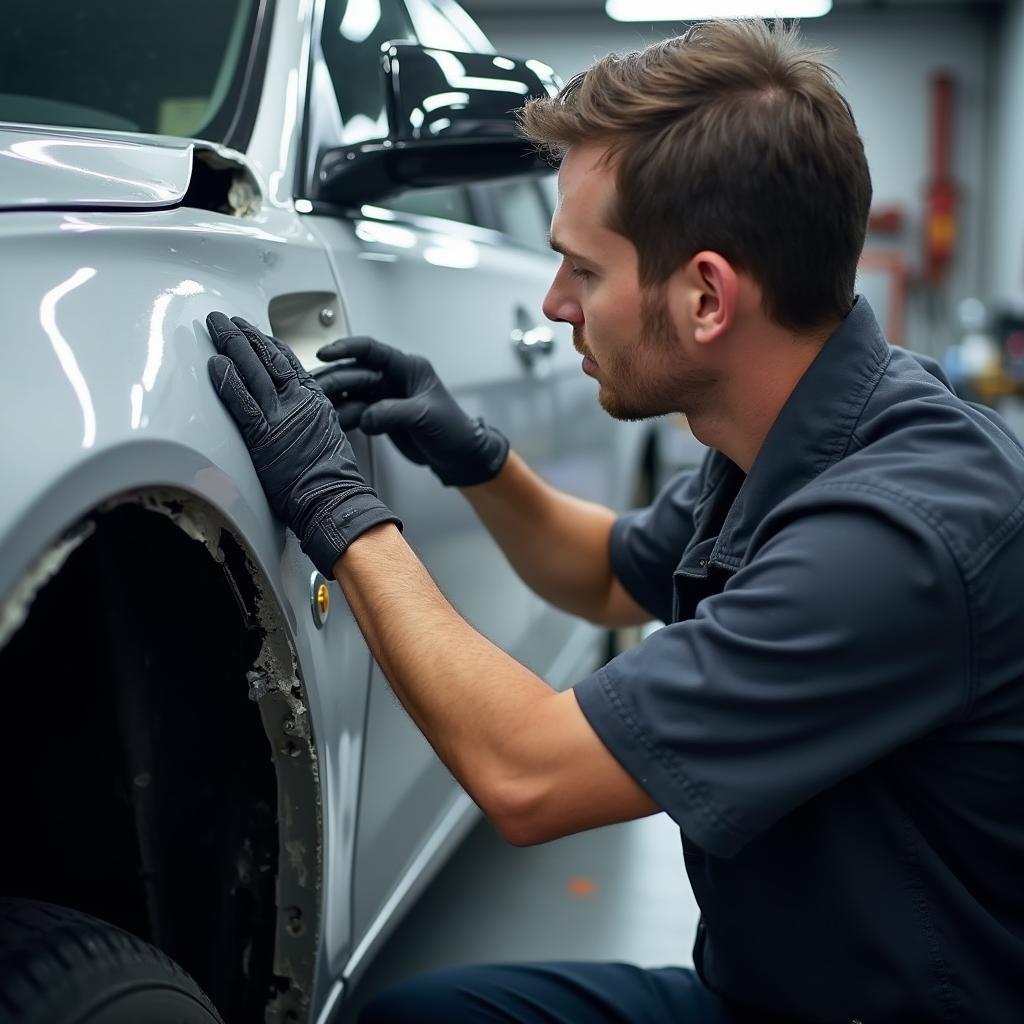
{"x": 1006, "y": 191}
{"x": 885, "y": 63}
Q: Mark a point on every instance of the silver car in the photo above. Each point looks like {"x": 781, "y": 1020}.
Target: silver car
{"x": 201, "y": 763}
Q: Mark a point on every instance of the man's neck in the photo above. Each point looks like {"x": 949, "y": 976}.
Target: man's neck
{"x": 764, "y": 372}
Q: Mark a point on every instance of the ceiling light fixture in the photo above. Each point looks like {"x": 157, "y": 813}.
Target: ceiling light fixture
{"x": 702, "y": 10}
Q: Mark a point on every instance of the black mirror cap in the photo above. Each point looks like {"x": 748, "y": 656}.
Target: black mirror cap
{"x": 370, "y": 172}
{"x": 451, "y": 121}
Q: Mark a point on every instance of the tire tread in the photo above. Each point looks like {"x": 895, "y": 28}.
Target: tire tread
{"x": 40, "y": 943}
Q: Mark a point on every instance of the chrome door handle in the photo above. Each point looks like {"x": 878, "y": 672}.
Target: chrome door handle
{"x": 533, "y": 343}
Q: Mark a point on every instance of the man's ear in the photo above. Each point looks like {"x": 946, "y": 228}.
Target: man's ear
{"x": 713, "y": 289}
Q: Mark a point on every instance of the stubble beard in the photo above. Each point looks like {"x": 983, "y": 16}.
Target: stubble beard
{"x": 648, "y": 378}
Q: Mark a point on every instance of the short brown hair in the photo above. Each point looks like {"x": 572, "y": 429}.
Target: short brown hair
{"x": 734, "y": 138}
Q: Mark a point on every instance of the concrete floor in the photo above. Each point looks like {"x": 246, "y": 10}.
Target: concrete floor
{"x": 616, "y": 893}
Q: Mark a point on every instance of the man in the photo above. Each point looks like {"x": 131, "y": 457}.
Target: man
{"x": 834, "y": 713}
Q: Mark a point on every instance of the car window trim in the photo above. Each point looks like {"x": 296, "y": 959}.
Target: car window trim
{"x": 417, "y": 221}
{"x": 243, "y": 120}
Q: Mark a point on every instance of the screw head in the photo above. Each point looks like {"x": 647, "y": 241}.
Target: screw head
{"x": 319, "y": 599}
{"x": 327, "y": 316}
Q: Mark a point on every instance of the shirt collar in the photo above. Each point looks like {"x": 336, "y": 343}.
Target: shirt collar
{"x": 812, "y": 431}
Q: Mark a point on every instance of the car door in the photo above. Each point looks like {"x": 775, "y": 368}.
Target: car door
{"x": 422, "y": 273}
{"x": 592, "y": 456}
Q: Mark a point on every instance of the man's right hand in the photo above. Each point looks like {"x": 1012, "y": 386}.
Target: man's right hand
{"x": 558, "y": 544}
{"x": 384, "y": 391}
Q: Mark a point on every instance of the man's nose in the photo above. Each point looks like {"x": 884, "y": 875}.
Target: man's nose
{"x": 560, "y": 306}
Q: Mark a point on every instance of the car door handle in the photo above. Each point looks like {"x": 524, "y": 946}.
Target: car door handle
{"x": 533, "y": 343}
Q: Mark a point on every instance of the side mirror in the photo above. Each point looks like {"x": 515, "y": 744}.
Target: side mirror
{"x": 450, "y": 121}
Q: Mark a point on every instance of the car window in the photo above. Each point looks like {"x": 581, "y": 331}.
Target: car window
{"x": 449, "y": 203}
{"x": 125, "y": 66}
{"x": 549, "y": 190}
{"x": 446, "y": 26}
{"x": 353, "y": 34}
{"x": 523, "y": 213}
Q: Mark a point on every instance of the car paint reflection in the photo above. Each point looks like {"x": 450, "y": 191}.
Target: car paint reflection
{"x": 68, "y": 363}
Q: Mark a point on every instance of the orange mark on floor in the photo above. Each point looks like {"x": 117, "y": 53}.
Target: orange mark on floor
{"x": 580, "y": 886}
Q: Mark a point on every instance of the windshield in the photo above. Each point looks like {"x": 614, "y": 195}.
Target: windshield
{"x": 169, "y": 67}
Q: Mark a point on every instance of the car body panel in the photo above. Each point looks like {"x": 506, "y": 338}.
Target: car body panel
{"x": 404, "y": 799}
{"x": 549, "y": 413}
{"x": 86, "y": 169}
{"x": 104, "y": 312}
{"x": 111, "y": 314}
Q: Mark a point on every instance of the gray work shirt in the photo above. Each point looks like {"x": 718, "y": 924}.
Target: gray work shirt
{"x": 834, "y": 715}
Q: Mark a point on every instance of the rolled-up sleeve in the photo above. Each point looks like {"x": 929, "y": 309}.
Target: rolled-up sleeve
{"x": 845, "y": 637}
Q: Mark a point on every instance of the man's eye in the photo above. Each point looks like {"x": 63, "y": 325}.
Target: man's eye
{"x": 579, "y": 272}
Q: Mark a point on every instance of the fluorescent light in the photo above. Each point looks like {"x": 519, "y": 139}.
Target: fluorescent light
{"x": 701, "y": 10}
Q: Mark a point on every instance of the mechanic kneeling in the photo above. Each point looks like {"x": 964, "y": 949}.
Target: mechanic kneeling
{"x": 834, "y": 713}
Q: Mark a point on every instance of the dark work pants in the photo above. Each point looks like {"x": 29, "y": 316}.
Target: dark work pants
{"x": 551, "y": 993}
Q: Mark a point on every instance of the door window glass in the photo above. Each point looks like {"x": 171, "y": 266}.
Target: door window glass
{"x": 449, "y": 203}
{"x": 125, "y": 66}
{"x": 354, "y": 32}
{"x": 447, "y": 27}
{"x": 524, "y": 213}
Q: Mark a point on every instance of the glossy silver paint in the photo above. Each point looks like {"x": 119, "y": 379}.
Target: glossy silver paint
{"x": 104, "y": 313}
{"x": 52, "y": 167}
{"x": 110, "y": 311}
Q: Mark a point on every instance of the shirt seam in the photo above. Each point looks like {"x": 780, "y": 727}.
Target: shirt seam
{"x": 871, "y": 385}
{"x": 939, "y": 967}
{"x": 1006, "y": 529}
{"x": 717, "y": 818}
{"x": 926, "y": 516}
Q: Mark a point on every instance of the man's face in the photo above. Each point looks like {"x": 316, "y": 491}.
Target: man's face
{"x": 626, "y": 333}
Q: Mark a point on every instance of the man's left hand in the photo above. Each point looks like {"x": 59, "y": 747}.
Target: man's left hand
{"x": 302, "y": 457}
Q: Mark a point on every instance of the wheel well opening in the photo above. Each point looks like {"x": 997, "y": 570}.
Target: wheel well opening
{"x": 138, "y": 776}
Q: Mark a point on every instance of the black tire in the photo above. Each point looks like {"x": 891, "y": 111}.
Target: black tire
{"x": 58, "y": 966}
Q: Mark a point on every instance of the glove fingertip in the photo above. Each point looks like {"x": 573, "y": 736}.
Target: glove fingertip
{"x": 217, "y": 323}
{"x": 242, "y": 324}
{"x": 355, "y": 346}
{"x": 369, "y": 423}
{"x": 325, "y": 353}
{"x": 349, "y": 415}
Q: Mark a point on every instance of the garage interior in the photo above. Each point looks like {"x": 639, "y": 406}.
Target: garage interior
{"x": 937, "y": 91}
{"x": 937, "y": 88}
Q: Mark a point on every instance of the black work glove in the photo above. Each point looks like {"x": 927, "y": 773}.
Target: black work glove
{"x": 385, "y": 391}
{"x": 302, "y": 457}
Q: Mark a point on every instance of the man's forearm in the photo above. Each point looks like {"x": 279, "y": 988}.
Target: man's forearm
{"x": 558, "y": 544}
{"x": 525, "y": 753}
{"x": 473, "y": 702}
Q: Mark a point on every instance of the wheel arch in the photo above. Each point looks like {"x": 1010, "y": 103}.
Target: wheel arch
{"x": 198, "y": 562}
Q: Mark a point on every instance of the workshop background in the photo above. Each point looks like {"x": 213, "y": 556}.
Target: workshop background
{"x": 937, "y": 89}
